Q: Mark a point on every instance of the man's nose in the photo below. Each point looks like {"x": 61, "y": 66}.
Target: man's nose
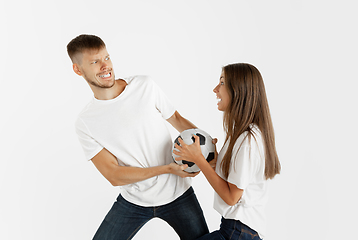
{"x": 104, "y": 65}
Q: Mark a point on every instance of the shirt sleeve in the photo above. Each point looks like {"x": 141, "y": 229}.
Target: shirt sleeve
{"x": 162, "y": 103}
{"x": 242, "y": 166}
{"x": 89, "y": 145}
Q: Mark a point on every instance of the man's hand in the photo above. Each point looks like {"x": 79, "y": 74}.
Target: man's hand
{"x": 179, "y": 170}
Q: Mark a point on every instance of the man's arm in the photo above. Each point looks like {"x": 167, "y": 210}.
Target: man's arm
{"x": 180, "y": 123}
{"x": 107, "y": 165}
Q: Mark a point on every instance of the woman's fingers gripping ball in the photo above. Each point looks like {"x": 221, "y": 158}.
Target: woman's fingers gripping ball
{"x": 187, "y": 152}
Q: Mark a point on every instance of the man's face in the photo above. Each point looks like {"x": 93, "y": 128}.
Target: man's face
{"x": 96, "y": 67}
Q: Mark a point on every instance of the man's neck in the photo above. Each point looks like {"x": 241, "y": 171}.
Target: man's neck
{"x": 109, "y": 93}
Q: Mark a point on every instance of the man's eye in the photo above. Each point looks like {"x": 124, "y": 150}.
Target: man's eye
{"x": 94, "y": 62}
{"x": 107, "y": 58}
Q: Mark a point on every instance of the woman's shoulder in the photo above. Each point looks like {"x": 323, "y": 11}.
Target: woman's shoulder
{"x": 249, "y": 137}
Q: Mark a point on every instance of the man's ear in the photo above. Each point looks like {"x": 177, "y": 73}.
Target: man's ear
{"x": 77, "y": 69}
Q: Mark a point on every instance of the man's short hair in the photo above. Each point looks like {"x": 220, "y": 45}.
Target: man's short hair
{"x": 84, "y": 42}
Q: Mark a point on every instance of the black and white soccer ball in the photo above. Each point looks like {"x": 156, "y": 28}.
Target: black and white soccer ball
{"x": 206, "y": 145}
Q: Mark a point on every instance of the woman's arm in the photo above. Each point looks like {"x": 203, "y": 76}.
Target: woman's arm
{"x": 227, "y": 191}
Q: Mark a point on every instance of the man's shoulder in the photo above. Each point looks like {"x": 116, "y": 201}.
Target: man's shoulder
{"x": 80, "y": 126}
{"x": 137, "y": 79}
{"x": 85, "y": 109}
{"x": 84, "y": 113}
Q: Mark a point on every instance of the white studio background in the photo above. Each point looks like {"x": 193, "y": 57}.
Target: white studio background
{"x": 305, "y": 50}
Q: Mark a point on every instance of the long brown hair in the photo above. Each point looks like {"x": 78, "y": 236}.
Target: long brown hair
{"x": 248, "y": 106}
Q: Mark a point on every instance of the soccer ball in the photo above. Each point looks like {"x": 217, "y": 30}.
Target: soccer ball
{"x": 206, "y": 145}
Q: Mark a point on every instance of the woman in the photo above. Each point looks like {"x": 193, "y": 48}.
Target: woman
{"x": 248, "y": 158}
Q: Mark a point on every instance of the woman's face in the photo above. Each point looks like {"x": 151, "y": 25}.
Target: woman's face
{"x": 222, "y": 94}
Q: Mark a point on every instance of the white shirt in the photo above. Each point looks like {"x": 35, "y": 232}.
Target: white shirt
{"x": 247, "y": 172}
{"x": 132, "y": 127}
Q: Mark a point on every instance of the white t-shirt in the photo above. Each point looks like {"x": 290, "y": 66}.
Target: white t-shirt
{"x": 247, "y": 172}
{"x": 132, "y": 127}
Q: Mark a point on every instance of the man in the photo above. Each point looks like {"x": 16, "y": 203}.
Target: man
{"x": 122, "y": 130}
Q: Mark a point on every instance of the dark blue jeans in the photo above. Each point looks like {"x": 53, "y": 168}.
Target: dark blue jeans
{"x": 232, "y": 230}
{"x": 125, "y": 219}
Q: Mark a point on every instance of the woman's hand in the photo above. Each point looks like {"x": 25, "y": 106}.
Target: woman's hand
{"x": 191, "y": 153}
{"x": 213, "y": 162}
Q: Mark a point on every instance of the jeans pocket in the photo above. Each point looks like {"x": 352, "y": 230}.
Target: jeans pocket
{"x": 246, "y": 234}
